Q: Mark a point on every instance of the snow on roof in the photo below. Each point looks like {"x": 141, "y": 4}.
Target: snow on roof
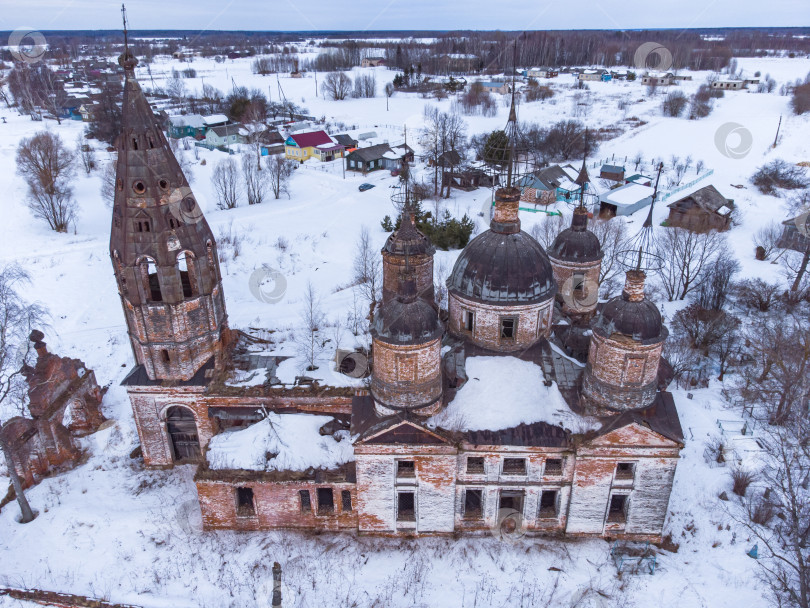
{"x": 504, "y": 392}
{"x": 724, "y": 210}
{"x": 215, "y": 119}
{"x": 189, "y": 120}
{"x": 629, "y": 194}
{"x": 391, "y": 155}
{"x": 293, "y": 438}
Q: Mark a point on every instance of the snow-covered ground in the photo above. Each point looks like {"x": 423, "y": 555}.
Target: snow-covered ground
{"x": 111, "y": 529}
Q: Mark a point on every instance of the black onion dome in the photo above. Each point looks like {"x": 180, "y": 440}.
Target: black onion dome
{"x": 408, "y": 240}
{"x": 640, "y": 320}
{"x": 576, "y": 246}
{"x": 577, "y": 243}
{"x": 501, "y": 268}
{"x": 407, "y": 321}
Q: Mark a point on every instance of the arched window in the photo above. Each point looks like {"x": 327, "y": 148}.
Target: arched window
{"x": 188, "y": 278}
{"x": 149, "y": 278}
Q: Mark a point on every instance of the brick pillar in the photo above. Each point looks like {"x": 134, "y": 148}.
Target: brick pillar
{"x": 505, "y": 217}
{"x": 634, "y": 286}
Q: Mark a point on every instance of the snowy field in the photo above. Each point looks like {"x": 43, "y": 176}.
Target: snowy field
{"x": 111, "y": 529}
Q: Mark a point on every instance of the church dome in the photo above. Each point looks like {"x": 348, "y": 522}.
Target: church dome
{"x": 501, "y": 268}
{"x": 410, "y": 321}
{"x": 631, "y": 315}
{"x": 577, "y": 243}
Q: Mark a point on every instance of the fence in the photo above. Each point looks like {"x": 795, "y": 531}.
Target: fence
{"x": 689, "y": 185}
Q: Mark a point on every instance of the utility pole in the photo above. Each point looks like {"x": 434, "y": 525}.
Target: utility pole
{"x": 777, "y": 131}
{"x": 316, "y": 82}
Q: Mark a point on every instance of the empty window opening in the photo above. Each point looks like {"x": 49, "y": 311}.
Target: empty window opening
{"x": 473, "y": 504}
{"x": 163, "y": 184}
{"x": 326, "y": 501}
{"x": 134, "y": 143}
{"x": 512, "y": 500}
{"x": 306, "y": 505}
{"x": 469, "y": 320}
{"x": 548, "y": 503}
{"x": 508, "y": 326}
{"x": 187, "y": 278}
{"x": 625, "y": 470}
{"x": 164, "y": 355}
{"x": 151, "y": 282}
{"x": 139, "y": 187}
{"x": 406, "y": 468}
{"x": 346, "y": 500}
{"x": 475, "y": 465}
{"x": 144, "y": 226}
{"x": 514, "y": 466}
{"x": 617, "y": 512}
{"x": 151, "y": 141}
{"x": 554, "y": 466}
{"x": 245, "y": 507}
{"x": 406, "y": 506}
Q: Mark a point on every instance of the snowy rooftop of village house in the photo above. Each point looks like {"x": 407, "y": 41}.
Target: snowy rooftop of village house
{"x": 505, "y": 392}
{"x": 629, "y": 194}
{"x": 281, "y": 442}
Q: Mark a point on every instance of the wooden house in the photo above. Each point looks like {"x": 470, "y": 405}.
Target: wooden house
{"x": 549, "y": 185}
{"x": 372, "y": 62}
{"x": 612, "y": 172}
{"x": 313, "y": 144}
{"x": 370, "y": 158}
{"x": 702, "y": 211}
{"x": 224, "y": 135}
{"x": 793, "y": 237}
{"x": 190, "y": 125}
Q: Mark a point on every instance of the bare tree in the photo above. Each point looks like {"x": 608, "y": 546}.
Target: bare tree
{"x": 179, "y": 148}
{"x": 18, "y": 319}
{"x": 547, "y": 229}
{"x": 337, "y": 86}
{"x": 279, "y": 171}
{"x": 255, "y": 181}
{"x": 685, "y": 257}
{"x": 365, "y": 85}
{"x": 682, "y": 358}
{"x": 389, "y": 91}
{"x": 254, "y": 128}
{"x": 766, "y": 237}
{"x": 108, "y": 183}
{"x": 86, "y": 154}
{"x": 310, "y": 345}
{"x": 613, "y": 239}
{"x": 227, "y": 185}
{"x": 442, "y": 133}
{"x": 367, "y": 269}
{"x": 47, "y": 166}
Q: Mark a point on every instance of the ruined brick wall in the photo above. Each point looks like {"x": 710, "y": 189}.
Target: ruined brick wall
{"x": 576, "y": 304}
{"x": 648, "y": 490}
{"x": 277, "y": 506}
{"x": 188, "y": 331}
{"x": 621, "y": 372}
{"x": 533, "y": 323}
{"x": 433, "y": 485}
{"x": 150, "y": 403}
{"x": 420, "y": 265}
{"x": 405, "y": 375}
{"x": 493, "y": 482}
{"x": 529, "y": 195}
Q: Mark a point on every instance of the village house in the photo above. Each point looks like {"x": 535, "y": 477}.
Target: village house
{"x": 729, "y": 85}
{"x": 312, "y": 144}
{"x": 702, "y": 211}
{"x": 224, "y": 135}
{"x": 468, "y": 179}
{"x": 595, "y": 75}
{"x": 658, "y": 79}
{"x": 549, "y": 185}
{"x": 372, "y": 62}
{"x": 345, "y": 140}
{"x": 502, "y": 88}
{"x": 370, "y": 158}
{"x": 422, "y": 449}
{"x": 541, "y": 73}
{"x": 795, "y": 235}
{"x": 188, "y": 125}
{"x": 638, "y": 178}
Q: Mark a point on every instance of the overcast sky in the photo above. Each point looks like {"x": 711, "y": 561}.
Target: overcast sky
{"x": 402, "y": 14}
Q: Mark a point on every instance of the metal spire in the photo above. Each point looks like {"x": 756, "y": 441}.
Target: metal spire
{"x": 124, "y": 18}
{"x": 640, "y": 256}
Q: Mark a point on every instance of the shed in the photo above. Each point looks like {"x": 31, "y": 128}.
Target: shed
{"x": 625, "y": 200}
{"x": 702, "y": 211}
{"x": 612, "y": 172}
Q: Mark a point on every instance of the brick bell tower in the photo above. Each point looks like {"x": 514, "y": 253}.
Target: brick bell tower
{"x": 163, "y": 252}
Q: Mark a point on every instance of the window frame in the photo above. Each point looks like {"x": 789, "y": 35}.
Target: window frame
{"x": 543, "y": 512}
{"x": 304, "y": 501}
{"x": 474, "y": 514}
{"x": 501, "y": 327}
{"x": 399, "y": 514}
{"x": 242, "y": 510}
{"x": 475, "y": 471}
{"x": 516, "y": 474}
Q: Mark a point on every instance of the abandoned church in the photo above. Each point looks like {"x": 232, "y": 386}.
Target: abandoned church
{"x": 470, "y": 418}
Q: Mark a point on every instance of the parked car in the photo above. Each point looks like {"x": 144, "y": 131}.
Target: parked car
{"x": 364, "y": 187}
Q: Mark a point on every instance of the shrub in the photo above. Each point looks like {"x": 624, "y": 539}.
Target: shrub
{"x": 674, "y": 103}
{"x": 741, "y": 479}
{"x": 801, "y": 99}
{"x": 779, "y": 174}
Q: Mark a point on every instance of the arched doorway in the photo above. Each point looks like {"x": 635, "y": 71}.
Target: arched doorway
{"x": 183, "y": 436}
